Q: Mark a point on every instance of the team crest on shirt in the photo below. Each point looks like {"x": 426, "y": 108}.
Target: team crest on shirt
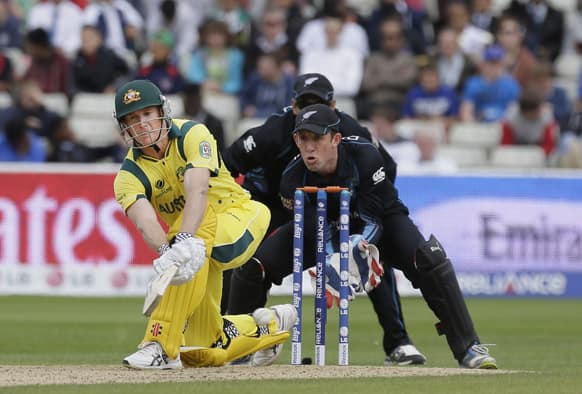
{"x": 130, "y": 96}
{"x": 180, "y": 174}
{"x": 205, "y": 150}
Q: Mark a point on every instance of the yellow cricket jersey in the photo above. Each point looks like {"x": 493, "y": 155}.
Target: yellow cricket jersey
{"x": 162, "y": 181}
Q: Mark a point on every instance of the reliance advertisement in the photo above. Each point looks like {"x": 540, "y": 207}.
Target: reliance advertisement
{"x": 506, "y": 236}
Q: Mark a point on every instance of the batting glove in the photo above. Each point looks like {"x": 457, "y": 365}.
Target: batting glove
{"x": 188, "y": 252}
{"x": 365, "y": 259}
{"x": 332, "y": 281}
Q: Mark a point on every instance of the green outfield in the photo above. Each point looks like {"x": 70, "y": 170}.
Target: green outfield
{"x": 540, "y": 338}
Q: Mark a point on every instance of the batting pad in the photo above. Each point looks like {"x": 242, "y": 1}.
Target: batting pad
{"x": 239, "y": 347}
{"x": 166, "y": 324}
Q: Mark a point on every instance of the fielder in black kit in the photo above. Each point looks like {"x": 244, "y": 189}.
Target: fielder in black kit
{"x": 261, "y": 154}
{"x": 377, "y": 213}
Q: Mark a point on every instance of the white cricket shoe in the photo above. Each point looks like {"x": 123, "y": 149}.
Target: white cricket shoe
{"x": 151, "y": 356}
{"x": 405, "y": 355}
{"x": 285, "y": 317}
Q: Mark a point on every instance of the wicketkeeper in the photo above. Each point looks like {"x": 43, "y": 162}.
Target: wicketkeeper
{"x": 378, "y": 216}
{"x": 173, "y": 171}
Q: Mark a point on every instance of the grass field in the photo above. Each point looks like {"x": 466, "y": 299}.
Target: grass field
{"x": 540, "y": 338}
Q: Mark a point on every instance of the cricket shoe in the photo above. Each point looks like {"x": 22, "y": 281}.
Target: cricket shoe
{"x": 405, "y": 355}
{"x": 151, "y": 356}
{"x": 478, "y": 357}
{"x": 285, "y": 317}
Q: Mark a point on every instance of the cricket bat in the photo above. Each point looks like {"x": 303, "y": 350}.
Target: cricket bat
{"x": 156, "y": 289}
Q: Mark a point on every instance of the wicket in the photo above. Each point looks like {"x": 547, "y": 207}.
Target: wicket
{"x": 320, "y": 299}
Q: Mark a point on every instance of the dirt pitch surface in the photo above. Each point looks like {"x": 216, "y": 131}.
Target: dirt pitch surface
{"x": 14, "y": 375}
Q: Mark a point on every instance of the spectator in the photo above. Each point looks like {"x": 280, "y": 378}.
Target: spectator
{"x": 427, "y": 158}
{"x": 271, "y": 37}
{"x": 216, "y": 64}
{"x": 544, "y": 27}
{"x": 342, "y": 65}
{"x": 312, "y": 35}
{"x": 28, "y": 105}
{"x": 472, "y": 39}
{"x": 48, "y": 66}
{"x": 177, "y": 17}
{"x": 569, "y": 154}
{"x": 390, "y": 72}
{"x": 453, "y": 65}
{"x": 483, "y": 16}
{"x": 69, "y": 150}
{"x": 518, "y": 58}
{"x": 267, "y": 90}
{"x": 487, "y": 96}
{"x": 542, "y": 80}
{"x": 430, "y": 99}
{"x": 531, "y": 122}
{"x": 383, "y": 118}
{"x": 62, "y": 20}
{"x": 119, "y": 22}
{"x": 193, "y": 109}
{"x": 162, "y": 69}
{"x": 19, "y": 144}
{"x": 294, "y": 16}
{"x": 10, "y": 27}
{"x": 236, "y": 18}
{"x": 51, "y": 127}
{"x": 573, "y": 33}
{"x": 96, "y": 68}
{"x": 417, "y": 26}
{"x": 6, "y": 73}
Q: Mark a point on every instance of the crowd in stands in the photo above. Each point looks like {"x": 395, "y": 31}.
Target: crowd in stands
{"x": 442, "y": 63}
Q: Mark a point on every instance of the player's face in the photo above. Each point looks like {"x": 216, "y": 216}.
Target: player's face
{"x": 145, "y": 127}
{"x": 319, "y": 152}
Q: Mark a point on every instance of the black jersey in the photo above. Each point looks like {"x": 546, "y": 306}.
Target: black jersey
{"x": 263, "y": 152}
{"x": 361, "y": 168}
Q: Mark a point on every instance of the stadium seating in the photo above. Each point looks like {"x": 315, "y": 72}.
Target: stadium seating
{"x": 346, "y": 105}
{"x": 474, "y": 134}
{"x": 5, "y": 100}
{"x": 57, "y": 102}
{"x": 226, "y": 107}
{"x": 95, "y": 131}
{"x": 518, "y": 157}
{"x": 19, "y": 60}
{"x": 176, "y": 105}
{"x": 93, "y": 104}
{"x": 246, "y": 123}
{"x": 91, "y": 118}
{"x": 408, "y": 127}
{"x": 464, "y": 156}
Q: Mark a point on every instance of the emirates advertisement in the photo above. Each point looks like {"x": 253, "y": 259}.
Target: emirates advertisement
{"x": 64, "y": 233}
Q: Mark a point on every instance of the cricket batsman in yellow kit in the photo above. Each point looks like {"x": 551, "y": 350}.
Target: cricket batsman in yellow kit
{"x": 173, "y": 171}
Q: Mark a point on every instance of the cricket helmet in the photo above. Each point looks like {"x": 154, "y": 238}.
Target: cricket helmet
{"x": 135, "y": 95}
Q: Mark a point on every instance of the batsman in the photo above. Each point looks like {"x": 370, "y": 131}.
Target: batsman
{"x": 173, "y": 174}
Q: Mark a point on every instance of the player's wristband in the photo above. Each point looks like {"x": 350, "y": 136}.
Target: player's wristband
{"x": 182, "y": 236}
{"x": 163, "y": 249}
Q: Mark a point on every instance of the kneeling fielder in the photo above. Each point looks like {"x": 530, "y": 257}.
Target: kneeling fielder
{"x": 174, "y": 170}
